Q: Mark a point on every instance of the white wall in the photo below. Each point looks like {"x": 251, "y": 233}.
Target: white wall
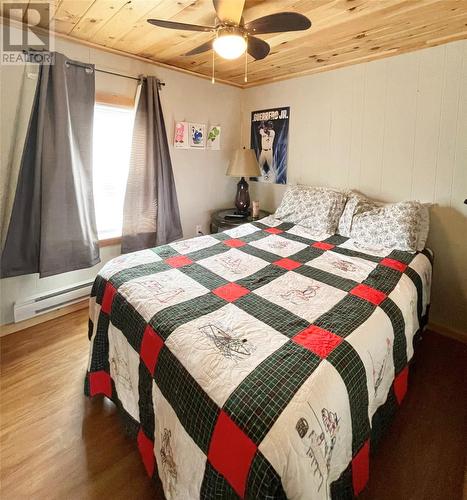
{"x": 395, "y": 129}
{"x": 202, "y": 185}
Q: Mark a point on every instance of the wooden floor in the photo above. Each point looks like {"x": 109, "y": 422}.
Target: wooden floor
{"x": 56, "y": 444}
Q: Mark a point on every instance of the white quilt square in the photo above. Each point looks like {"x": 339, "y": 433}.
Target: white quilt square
{"x": 278, "y": 245}
{"x": 310, "y": 444}
{"x": 422, "y": 266}
{"x": 353, "y": 268}
{"x": 221, "y": 348}
{"x": 374, "y": 340}
{"x": 305, "y": 232}
{"x": 270, "y": 221}
{"x": 127, "y": 261}
{"x": 243, "y": 230}
{"x": 405, "y": 297}
{"x": 124, "y": 370}
{"x": 305, "y": 297}
{"x": 234, "y": 264}
{"x": 150, "y": 294}
{"x": 180, "y": 463}
{"x": 193, "y": 244}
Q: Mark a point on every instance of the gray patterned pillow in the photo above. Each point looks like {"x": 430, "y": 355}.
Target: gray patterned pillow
{"x": 424, "y": 226}
{"x": 317, "y": 208}
{"x": 394, "y": 225}
{"x": 345, "y": 222}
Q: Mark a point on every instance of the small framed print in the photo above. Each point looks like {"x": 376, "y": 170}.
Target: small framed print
{"x": 181, "y": 135}
{"x": 213, "y": 140}
{"x": 197, "y": 135}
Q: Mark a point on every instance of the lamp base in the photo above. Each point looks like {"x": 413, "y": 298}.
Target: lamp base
{"x": 242, "y": 198}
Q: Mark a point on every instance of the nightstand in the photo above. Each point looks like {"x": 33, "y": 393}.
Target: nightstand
{"x": 220, "y": 223}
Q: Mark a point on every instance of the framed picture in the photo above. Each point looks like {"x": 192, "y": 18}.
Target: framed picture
{"x": 197, "y": 135}
{"x": 213, "y": 140}
{"x": 181, "y": 135}
{"x": 270, "y": 139}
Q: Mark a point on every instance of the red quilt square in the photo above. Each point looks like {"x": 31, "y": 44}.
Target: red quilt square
{"x": 150, "y": 348}
{"x": 316, "y": 339}
{"x": 178, "y": 261}
{"x": 146, "y": 450}
{"x": 368, "y": 293}
{"x": 287, "y": 264}
{"x": 231, "y": 452}
{"x": 323, "y": 246}
{"x": 361, "y": 468}
{"x": 100, "y": 383}
{"x": 274, "y": 230}
{"x": 394, "y": 264}
{"x": 107, "y": 299}
{"x": 231, "y": 292}
{"x": 401, "y": 383}
{"x": 234, "y": 243}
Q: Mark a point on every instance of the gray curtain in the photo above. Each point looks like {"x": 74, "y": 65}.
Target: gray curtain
{"x": 18, "y": 88}
{"x": 52, "y": 228}
{"x": 151, "y": 215}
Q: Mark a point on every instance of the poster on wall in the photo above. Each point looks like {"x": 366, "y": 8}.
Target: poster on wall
{"x": 269, "y": 140}
{"x": 181, "y": 135}
{"x": 213, "y": 140}
{"x": 197, "y": 135}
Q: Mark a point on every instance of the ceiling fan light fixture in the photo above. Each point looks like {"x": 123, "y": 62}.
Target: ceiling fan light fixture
{"x": 233, "y": 36}
{"x": 230, "y": 45}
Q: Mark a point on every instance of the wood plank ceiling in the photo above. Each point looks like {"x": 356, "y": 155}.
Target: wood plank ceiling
{"x": 343, "y": 32}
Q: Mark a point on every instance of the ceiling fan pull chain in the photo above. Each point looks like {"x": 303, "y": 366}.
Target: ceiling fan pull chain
{"x": 213, "y": 80}
{"x": 246, "y": 66}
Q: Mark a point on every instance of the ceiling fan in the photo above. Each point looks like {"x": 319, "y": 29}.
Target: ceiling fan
{"x": 232, "y": 37}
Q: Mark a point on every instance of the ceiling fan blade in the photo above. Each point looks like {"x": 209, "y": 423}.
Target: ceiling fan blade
{"x": 257, "y": 48}
{"x": 179, "y": 26}
{"x": 229, "y": 11}
{"x": 278, "y": 23}
{"x": 201, "y": 48}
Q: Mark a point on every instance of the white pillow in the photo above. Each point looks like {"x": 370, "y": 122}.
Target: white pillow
{"x": 345, "y": 221}
{"x": 316, "y": 208}
{"x": 424, "y": 226}
{"x": 395, "y": 225}
{"x": 358, "y": 203}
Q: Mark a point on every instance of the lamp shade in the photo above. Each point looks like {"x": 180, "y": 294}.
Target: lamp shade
{"x": 243, "y": 164}
{"x": 230, "y": 46}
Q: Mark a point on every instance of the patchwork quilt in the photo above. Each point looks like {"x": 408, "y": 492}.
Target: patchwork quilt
{"x": 261, "y": 362}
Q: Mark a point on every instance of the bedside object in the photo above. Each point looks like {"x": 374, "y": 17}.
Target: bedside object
{"x": 243, "y": 164}
{"x": 235, "y": 216}
{"x": 255, "y": 209}
{"x": 220, "y": 220}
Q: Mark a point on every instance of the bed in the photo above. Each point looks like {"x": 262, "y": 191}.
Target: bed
{"x": 261, "y": 362}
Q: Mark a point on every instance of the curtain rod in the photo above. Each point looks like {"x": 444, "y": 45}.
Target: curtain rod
{"x": 84, "y": 65}
{"x": 159, "y": 82}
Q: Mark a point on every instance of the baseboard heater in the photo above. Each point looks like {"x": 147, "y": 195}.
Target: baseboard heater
{"x": 44, "y": 303}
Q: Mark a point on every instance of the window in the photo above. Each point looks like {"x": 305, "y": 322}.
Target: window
{"x": 113, "y": 127}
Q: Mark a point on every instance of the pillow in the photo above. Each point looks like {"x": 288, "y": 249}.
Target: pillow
{"x": 316, "y": 208}
{"x": 424, "y": 226}
{"x": 345, "y": 221}
{"x": 358, "y": 202}
{"x": 396, "y": 225}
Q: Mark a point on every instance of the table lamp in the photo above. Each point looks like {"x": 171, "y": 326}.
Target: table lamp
{"x": 243, "y": 164}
